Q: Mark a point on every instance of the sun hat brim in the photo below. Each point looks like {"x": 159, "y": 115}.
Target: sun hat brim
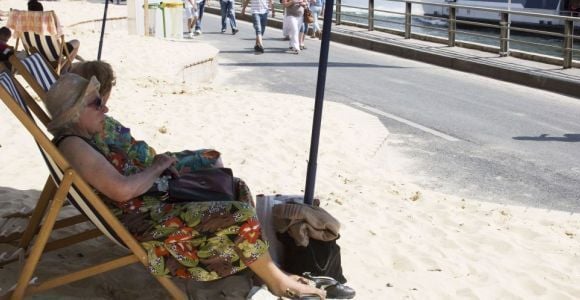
{"x": 67, "y": 98}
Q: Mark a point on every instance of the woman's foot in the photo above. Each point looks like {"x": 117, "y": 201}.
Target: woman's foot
{"x": 259, "y": 48}
{"x": 302, "y": 47}
{"x": 292, "y": 51}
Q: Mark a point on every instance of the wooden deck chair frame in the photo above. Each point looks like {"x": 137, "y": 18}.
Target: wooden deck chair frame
{"x": 22, "y": 240}
{"x": 53, "y": 45}
{"x": 36, "y": 71}
{"x": 96, "y": 210}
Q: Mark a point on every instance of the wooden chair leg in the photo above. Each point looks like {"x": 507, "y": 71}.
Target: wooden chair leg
{"x": 60, "y": 243}
{"x": 39, "y": 212}
{"x": 43, "y": 235}
{"x": 14, "y": 238}
{"x": 82, "y": 274}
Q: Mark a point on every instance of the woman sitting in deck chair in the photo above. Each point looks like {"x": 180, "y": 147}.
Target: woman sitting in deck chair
{"x": 202, "y": 241}
{"x": 116, "y": 136}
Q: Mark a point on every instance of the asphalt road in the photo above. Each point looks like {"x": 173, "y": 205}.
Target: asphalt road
{"x": 464, "y": 134}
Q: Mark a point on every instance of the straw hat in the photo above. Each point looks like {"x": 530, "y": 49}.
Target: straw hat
{"x": 66, "y": 99}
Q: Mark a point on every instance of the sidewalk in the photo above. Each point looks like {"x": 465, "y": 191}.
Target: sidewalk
{"x": 525, "y": 72}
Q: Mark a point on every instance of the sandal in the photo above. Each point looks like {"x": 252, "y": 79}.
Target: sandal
{"x": 321, "y": 282}
{"x": 290, "y": 294}
{"x": 333, "y": 288}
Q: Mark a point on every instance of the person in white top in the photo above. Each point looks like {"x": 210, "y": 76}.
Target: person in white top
{"x": 259, "y": 9}
{"x": 190, "y": 13}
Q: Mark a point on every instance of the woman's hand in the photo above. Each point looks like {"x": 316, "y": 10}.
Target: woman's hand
{"x": 164, "y": 162}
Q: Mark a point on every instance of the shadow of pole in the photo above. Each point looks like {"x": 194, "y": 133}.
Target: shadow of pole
{"x": 568, "y": 137}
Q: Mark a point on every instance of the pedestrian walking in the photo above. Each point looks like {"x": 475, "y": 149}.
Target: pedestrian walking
{"x": 284, "y": 27}
{"x": 295, "y": 23}
{"x": 316, "y": 6}
{"x": 227, "y": 10}
{"x": 190, "y": 13}
{"x": 199, "y": 16}
{"x": 259, "y": 10}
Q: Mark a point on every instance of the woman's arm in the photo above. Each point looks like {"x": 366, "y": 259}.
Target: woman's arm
{"x": 244, "y": 5}
{"x": 271, "y": 3}
{"x": 94, "y": 168}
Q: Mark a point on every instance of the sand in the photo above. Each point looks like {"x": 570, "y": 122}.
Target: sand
{"x": 398, "y": 241}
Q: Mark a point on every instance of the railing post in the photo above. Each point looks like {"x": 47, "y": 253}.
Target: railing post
{"x": 568, "y": 43}
{"x": 504, "y": 34}
{"x": 371, "y": 14}
{"x": 338, "y": 13}
{"x": 408, "y": 20}
{"x": 452, "y": 26}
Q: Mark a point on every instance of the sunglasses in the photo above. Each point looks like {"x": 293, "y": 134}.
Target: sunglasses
{"x": 97, "y": 103}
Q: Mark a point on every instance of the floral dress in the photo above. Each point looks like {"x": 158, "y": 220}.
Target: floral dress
{"x": 199, "y": 240}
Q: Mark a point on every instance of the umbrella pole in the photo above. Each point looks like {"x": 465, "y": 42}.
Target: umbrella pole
{"x": 320, "y": 84}
{"x": 103, "y": 29}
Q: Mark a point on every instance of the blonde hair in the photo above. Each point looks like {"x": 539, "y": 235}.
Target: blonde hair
{"x": 100, "y": 69}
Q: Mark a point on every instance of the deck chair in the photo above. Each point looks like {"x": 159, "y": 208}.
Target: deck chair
{"x": 36, "y": 71}
{"x": 40, "y": 30}
{"x": 22, "y": 240}
{"x": 66, "y": 183}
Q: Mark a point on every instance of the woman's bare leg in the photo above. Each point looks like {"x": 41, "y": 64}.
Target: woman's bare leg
{"x": 278, "y": 282}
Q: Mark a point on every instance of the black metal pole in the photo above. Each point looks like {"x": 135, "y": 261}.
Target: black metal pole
{"x": 103, "y": 29}
{"x": 320, "y": 84}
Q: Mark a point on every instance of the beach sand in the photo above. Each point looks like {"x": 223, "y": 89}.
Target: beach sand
{"x": 398, "y": 241}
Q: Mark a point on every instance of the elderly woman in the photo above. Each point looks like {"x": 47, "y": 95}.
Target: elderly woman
{"x": 117, "y": 139}
{"x": 202, "y": 241}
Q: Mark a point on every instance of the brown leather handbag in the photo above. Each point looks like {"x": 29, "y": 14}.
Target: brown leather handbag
{"x": 308, "y": 17}
{"x": 205, "y": 185}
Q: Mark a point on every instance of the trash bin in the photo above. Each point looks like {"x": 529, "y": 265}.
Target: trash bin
{"x": 164, "y": 19}
{"x": 173, "y": 19}
{"x": 156, "y": 26}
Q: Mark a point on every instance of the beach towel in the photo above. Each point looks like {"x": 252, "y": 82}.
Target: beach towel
{"x": 39, "y": 22}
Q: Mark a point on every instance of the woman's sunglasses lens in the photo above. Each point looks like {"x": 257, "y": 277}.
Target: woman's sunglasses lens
{"x": 98, "y": 103}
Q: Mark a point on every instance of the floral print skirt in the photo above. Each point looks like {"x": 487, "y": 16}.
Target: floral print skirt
{"x": 202, "y": 241}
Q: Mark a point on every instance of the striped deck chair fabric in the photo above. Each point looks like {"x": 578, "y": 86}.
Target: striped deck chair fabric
{"x": 49, "y": 46}
{"x": 8, "y": 84}
{"x": 70, "y": 185}
{"x": 37, "y": 72}
{"x": 37, "y": 67}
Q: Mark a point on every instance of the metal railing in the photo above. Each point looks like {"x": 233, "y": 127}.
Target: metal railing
{"x": 450, "y": 11}
{"x": 500, "y": 32}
